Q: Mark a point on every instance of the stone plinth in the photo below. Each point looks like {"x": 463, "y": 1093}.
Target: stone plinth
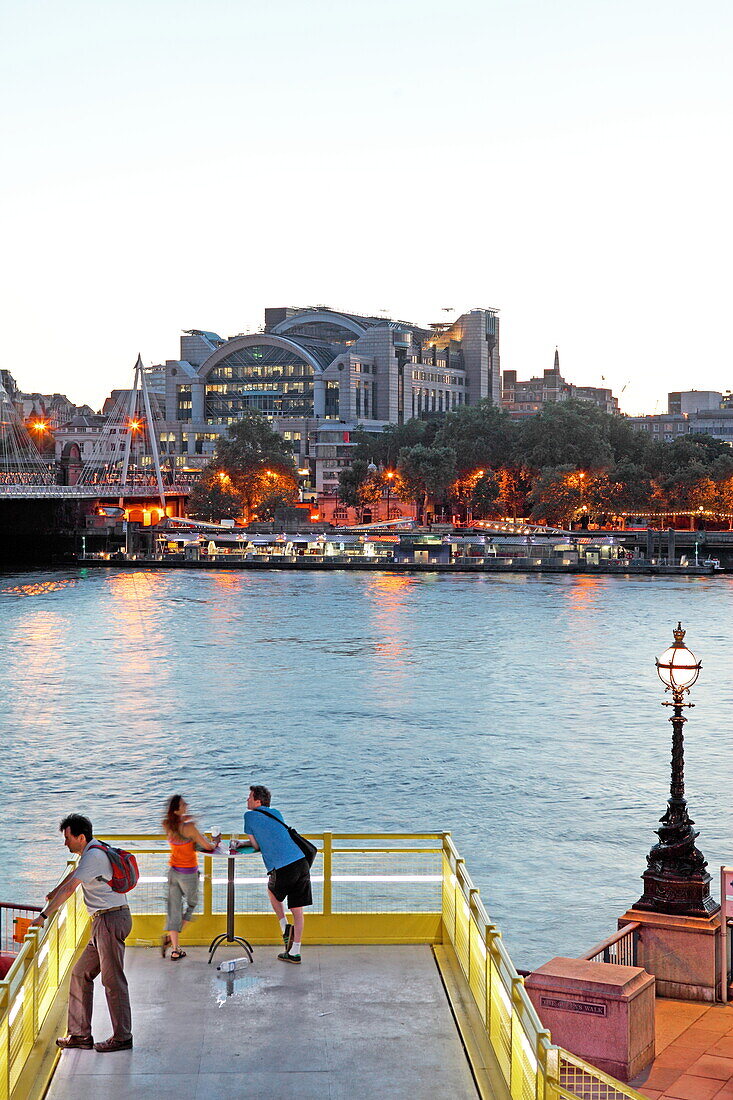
{"x": 681, "y": 952}
{"x": 602, "y": 1012}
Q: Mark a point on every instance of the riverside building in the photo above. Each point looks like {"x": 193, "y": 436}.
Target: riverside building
{"x": 314, "y": 371}
{"x": 524, "y": 399}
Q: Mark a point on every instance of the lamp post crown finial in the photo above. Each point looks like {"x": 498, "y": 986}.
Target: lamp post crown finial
{"x": 679, "y": 634}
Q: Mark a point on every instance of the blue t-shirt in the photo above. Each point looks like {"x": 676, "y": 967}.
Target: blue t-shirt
{"x": 278, "y": 850}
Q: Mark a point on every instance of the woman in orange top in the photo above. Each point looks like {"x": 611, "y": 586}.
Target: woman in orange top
{"x": 183, "y": 873}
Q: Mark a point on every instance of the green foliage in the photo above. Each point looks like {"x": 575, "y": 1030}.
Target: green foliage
{"x": 529, "y": 467}
{"x": 213, "y": 499}
{"x": 484, "y": 497}
{"x": 566, "y": 433}
{"x": 482, "y": 437}
{"x": 251, "y": 443}
{"x": 257, "y": 462}
{"x": 426, "y": 472}
{"x": 278, "y": 498}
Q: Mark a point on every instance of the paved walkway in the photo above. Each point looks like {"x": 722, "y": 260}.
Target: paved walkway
{"x": 694, "y": 1053}
{"x": 350, "y": 1022}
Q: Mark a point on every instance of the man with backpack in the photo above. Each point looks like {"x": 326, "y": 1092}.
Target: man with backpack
{"x": 287, "y": 866}
{"x": 96, "y": 873}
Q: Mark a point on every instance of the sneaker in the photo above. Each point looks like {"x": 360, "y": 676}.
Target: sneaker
{"x": 289, "y": 936}
{"x": 288, "y": 958}
{"x": 75, "y": 1042}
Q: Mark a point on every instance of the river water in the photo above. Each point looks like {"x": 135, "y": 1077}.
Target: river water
{"x": 522, "y": 713}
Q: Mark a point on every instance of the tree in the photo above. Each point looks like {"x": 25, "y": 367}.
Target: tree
{"x": 566, "y": 433}
{"x": 257, "y": 461}
{"x": 563, "y": 495}
{"x": 484, "y": 498}
{"x": 383, "y": 448}
{"x": 214, "y": 497}
{"x": 482, "y": 437}
{"x": 425, "y": 473}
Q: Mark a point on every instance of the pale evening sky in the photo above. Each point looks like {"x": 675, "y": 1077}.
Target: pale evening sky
{"x": 172, "y": 165}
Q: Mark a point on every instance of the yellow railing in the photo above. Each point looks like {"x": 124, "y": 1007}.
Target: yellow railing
{"x": 531, "y": 1067}
{"x": 368, "y": 888}
{"x": 29, "y": 991}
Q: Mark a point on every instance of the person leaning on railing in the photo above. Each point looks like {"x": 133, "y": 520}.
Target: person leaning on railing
{"x": 105, "y": 952}
{"x": 183, "y": 871}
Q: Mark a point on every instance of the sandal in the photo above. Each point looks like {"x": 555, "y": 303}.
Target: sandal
{"x": 165, "y": 942}
{"x": 178, "y": 954}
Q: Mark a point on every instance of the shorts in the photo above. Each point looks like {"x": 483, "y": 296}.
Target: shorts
{"x": 293, "y": 881}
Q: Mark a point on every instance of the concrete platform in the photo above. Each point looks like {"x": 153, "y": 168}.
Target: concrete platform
{"x": 351, "y": 1021}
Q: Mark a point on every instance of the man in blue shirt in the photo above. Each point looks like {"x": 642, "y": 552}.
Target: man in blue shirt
{"x": 287, "y": 867}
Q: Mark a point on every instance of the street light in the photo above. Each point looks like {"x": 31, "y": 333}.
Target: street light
{"x": 389, "y": 474}
{"x": 675, "y": 880}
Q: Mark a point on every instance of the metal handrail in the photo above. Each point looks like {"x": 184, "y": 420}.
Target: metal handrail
{"x": 626, "y": 937}
{"x": 531, "y": 1064}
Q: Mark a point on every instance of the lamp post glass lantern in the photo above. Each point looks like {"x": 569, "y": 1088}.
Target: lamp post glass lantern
{"x": 676, "y": 880}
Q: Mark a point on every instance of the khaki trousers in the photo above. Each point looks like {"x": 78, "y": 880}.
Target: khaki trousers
{"x": 105, "y": 955}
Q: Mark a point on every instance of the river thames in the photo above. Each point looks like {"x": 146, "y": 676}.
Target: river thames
{"x": 521, "y": 713}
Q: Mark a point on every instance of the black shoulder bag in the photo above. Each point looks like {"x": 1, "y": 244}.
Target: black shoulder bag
{"x": 309, "y": 850}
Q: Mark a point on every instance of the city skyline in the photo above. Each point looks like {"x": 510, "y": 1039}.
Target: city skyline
{"x": 175, "y": 168}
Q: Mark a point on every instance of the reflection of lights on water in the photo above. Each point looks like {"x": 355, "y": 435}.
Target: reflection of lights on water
{"x": 42, "y": 588}
{"x": 582, "y": 591}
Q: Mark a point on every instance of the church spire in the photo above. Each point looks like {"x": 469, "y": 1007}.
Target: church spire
{"x": 556, "y": 364}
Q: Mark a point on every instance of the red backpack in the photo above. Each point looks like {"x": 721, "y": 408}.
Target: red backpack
{"x": 125, "y": 872}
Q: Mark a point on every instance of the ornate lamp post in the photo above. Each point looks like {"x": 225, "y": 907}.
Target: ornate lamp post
{"x": 675, "y": 880}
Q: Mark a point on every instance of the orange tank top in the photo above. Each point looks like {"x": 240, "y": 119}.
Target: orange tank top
{"x": 183, "y": 855}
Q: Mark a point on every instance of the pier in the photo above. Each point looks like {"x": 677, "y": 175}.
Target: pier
{"x": 405, "y": 987}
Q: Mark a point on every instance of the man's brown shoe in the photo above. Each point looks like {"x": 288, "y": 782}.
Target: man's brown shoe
{"x": 72, "y": 1042}
{"x": 113, "y": 1044}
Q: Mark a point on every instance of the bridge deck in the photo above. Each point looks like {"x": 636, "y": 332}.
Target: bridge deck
{"x": 351, "y": 1021}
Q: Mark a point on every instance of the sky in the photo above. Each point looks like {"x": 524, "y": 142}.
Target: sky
{"x": 170, "y": 164}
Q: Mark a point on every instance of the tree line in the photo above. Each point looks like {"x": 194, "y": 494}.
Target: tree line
{"x": 571, "y": 462}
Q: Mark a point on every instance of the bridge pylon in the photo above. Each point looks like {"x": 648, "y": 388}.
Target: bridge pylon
{"x": 126, "y": 454}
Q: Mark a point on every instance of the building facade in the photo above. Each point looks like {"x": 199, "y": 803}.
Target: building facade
{"x": 525, "y": 399}
{"x": 315, "y": 368}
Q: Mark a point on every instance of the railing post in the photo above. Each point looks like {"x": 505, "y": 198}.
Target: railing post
{"x": 456, "y": 894}
{"x": 473, "y": 890}
{"x": 515, "y": 1065}
{"x": 208, "y": 884}
{"x": 548, "y": 1064}
{"x": 327, "y": 873}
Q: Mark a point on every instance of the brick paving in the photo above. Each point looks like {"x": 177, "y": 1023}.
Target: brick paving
{"x": 694, "y": 1053}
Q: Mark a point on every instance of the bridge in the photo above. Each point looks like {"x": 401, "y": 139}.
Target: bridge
{"x": 124, "y": 462}
{"x": 88, "y": 492}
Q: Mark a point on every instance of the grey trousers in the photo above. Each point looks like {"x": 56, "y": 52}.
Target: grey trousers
{"x": 105, "y": 955}
{"x": 180, "y": 886}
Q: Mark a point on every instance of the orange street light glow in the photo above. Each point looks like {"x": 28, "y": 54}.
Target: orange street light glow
{"x": 135, "y": 425}
{"x": 39, "y": 426}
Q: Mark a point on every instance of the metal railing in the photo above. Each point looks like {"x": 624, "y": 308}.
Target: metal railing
{"x": 532, "y": 1066}
{"x": 30, "y": 988}
{"x": 12, "y": 927}
{"x": 90, "y": 492}
{"x": 620, "y": 948}
{"x": 364, "y": 886}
